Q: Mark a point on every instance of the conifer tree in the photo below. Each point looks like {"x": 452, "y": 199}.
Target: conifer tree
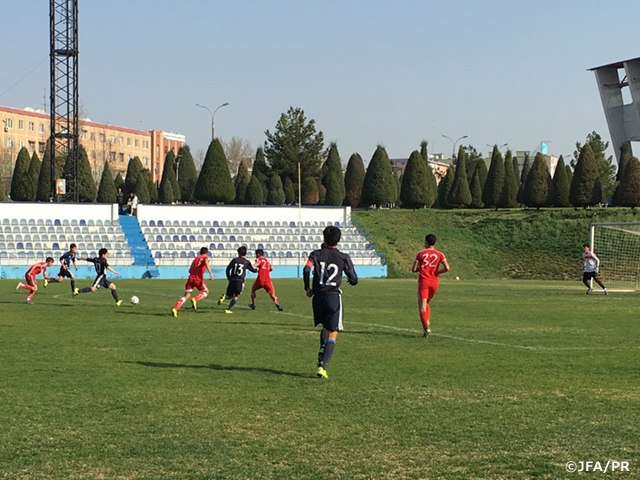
{"x": 131, "y": 178}
{"x": 261, "y": 171}
{"x": 424, "y": 153}
{"x": 165, "y": 191}
{"x": 415, "y": 187}
{"x": 141, "y": 188}
{"x": 380, "y": 184}
{"x": 625, "y": 156}
{"x": 332, "y": 178}
{"x": 569, "y": 174}
{"x": 483, "y": 173}
{"x": 492, "y": 191}
{"x": 627, "y": 193}
{"x": 459, "y": 195}
{"x": 433, "y": 187}
{"x": 21, "y": 184}
{"x": 586, "y": 189}
{"x": 3, "y": 194}
{"x": 526, "y": 167}
{"x": 214, "y": 183}
{"x": 187, "y": 175}
{"x": 43, "y": 192}
{"x": 445, "y": 187}
{"x": 516, "y": 171}
{"x": 86, "y": 185}
{"x": 353, "y": 180}
{"x": 34, "y": 173}
{"x": 151, "y": 186}
{"x": 510, "y": 189}
{"x": 119, "y": 182}
{"x": 561, "y": 185}
{"x": 290, "y": 194}
{"x": 169, "y": 172}
{"x": 275, "y": 196}
{"x": 538, "y": 190}
{"x": 310, "y": 193}
{"x": 476, "y": 187}
{"x": 107, "y": 189}
{"x": 241, "y": 182}
{"x": 253, "y": 195}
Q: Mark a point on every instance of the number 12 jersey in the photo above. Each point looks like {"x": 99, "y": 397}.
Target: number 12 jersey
{"x": 328, "y": 264}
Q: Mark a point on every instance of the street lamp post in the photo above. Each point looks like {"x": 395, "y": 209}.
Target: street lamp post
{"x": 454, "y": 144}
{"x": 213, "y": 115}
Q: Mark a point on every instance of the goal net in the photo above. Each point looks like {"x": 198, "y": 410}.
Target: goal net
{"x": 617, "y": 245}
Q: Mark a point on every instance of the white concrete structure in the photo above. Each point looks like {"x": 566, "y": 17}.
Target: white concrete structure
{"x": 623, "y": 119}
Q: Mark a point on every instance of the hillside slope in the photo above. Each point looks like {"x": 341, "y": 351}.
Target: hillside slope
{"x": 524, "y": 244}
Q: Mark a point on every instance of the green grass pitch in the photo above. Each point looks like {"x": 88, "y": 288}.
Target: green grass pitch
{"x": 517, "y": 379}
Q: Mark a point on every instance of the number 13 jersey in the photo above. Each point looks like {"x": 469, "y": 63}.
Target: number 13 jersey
{"x": 429, "y": 260}
{"x": 328, "y": 264}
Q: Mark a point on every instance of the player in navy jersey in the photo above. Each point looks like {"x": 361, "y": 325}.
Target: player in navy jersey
{"x": 101, "y": 265}
{"x": 236, "y": 273}
{"x": 66, "y": 260}
{"x": 328, "y": 265}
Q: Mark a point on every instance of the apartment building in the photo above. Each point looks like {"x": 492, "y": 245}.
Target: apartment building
{"x": 31, "y": 128}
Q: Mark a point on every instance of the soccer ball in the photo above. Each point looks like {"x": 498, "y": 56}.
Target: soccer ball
{"x": 135, "y": 300}
{"x": 457, "y": 278}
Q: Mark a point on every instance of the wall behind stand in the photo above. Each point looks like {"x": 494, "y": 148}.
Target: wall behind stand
{"x": 16, "y": 272}
{"x": 244, "y": 213}
{"x": 61, "y": 211}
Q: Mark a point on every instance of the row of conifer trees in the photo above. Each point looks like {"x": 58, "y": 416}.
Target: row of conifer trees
{"x": 464, "y": 186}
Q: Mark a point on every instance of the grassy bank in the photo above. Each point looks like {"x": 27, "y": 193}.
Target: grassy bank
{"x": 519, "y": 244}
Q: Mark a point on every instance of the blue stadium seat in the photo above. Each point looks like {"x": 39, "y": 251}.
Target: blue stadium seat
{"x": 183, "y": 254}
{"x": 152, "y": 223}
{"x": 158, "y": 255}
{"x": 159, "y": 223}
{"x": 220, "y": 231}
{"x": 292, "y": 224}
{"x": 232, "y": 238}
{"x": 215, "y": 224}
{"x": 192, "y": 254}
{"x": 220, "y": 246}
{"x": 212, "y": 246}
{"x": 246, "y": 224}
{"x": 19, "y": 246}
{"x": 175, "y": 238}
{"x": 158, "y": 238}
{"x": 183, "y": 238}
{"x": 289, "y": 255}
{"x": 192, "y": 238}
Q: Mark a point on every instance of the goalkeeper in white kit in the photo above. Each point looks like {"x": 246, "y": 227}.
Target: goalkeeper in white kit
{"x": 590, "y": 269}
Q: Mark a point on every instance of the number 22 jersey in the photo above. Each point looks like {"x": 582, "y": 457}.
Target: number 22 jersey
{"x": 429, "y": 260}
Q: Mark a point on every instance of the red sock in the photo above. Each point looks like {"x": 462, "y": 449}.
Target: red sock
{"x": 253, "y": 298}
{"x": 180, "y": 303}
{"x": 425, "y": 316}
{"x": 30, "y": 296}
{"x": 275, "y": 300}
{"x": 200, "y": 296}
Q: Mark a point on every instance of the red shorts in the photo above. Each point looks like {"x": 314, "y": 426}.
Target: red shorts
{"x": 268, "y": 287}
{"x": 30, "y": 280}
{"x": 195, "y": 282}
{"x": 427, "y": 290}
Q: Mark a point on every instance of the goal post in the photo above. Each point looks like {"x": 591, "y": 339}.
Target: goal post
{"x": 617, "y": 245}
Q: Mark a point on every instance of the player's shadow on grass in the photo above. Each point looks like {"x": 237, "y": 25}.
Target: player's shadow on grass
{"x": 144, "y": 313}
{"x": 382, "y": 333}
{"x": 292, "y": 326}
{"x": 214, "y": 366}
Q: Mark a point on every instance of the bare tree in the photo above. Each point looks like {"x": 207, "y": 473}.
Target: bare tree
{"x": 198, "y": 158}
{"x": 237, "y": 150}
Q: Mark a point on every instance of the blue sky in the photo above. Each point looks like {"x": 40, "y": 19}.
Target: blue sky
{"x": 369, "y": 72}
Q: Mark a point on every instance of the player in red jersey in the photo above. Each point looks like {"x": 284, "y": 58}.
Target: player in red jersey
{"x": 30, "y": 277}
{"x": 431, "y": 264}
{"x": 199, "y": 265}
{"x": 264, "y": 280}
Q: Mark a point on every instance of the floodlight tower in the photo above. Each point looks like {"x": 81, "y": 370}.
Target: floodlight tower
{"x": 63, "y": 52}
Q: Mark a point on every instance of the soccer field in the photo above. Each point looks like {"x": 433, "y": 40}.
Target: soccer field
{"x": 517, "y": 379}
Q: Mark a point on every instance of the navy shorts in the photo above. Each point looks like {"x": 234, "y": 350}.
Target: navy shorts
{"x": 327, "y": 311}
{"x": 589, "y": 275}
{"x": 101, "y": 281}
{"x": 234, "y": 288}
{"x": 65, "y": 273}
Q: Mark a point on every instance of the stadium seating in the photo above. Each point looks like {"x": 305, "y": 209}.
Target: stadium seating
{"x": 33, "y": 239}
{"x": 175, "y": 242}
